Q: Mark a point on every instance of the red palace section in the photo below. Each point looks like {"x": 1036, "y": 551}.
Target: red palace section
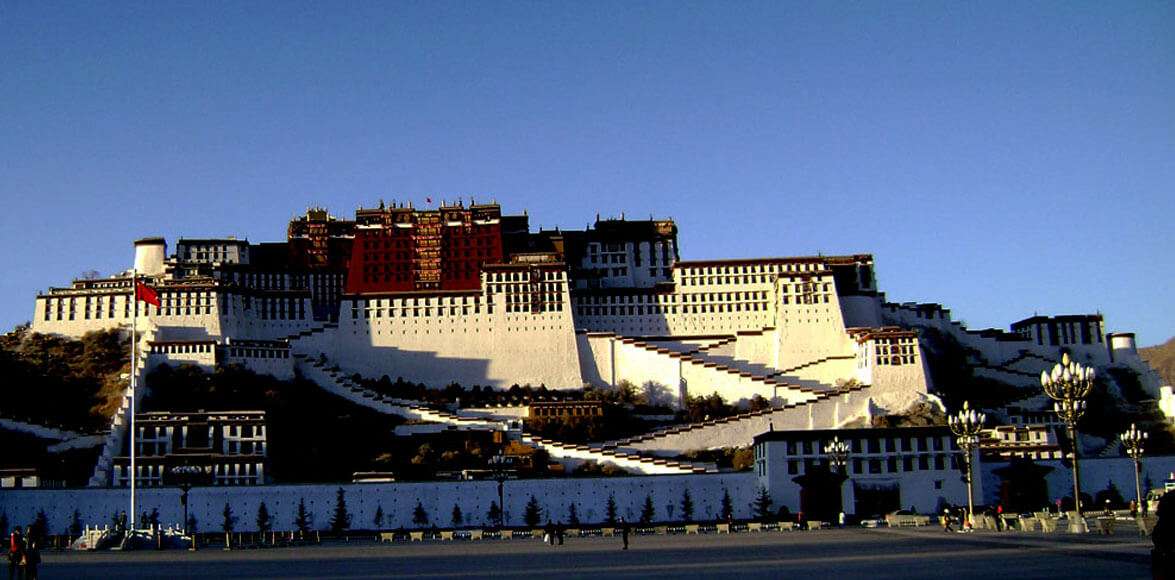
{"x": 401, "y": 249}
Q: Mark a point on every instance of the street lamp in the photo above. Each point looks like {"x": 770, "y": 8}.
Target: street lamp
{"x": 838, "y": 453}
{"x": 1134, "y": 439}
{"x": 966, "y": 425}
{"x": 186, "y": 476}
{"x": 501, "y": 465}
{"x": 1067, "y": 385}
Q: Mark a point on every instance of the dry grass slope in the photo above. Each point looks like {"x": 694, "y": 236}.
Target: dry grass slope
{"x": 1162, "y": 359}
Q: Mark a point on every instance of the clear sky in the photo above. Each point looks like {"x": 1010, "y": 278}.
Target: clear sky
{"x": 1003, "y": 159}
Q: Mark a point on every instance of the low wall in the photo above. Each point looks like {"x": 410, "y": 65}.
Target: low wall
{"x": 398, "y": 501}
{"x": 1096, "y": 474}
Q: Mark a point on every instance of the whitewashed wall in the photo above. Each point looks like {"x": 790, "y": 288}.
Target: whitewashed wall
{"x": 1096, "y": 472}
{"x": 398, "y": 501}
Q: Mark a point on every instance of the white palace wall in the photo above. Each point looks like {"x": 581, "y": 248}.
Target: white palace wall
{"x": 482, "y": 339}
{"x": 810, "y": 323}
{"x": 397, "y": 500}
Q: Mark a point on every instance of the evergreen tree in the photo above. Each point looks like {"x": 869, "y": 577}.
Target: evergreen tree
{"x": 572, "y": 515}
{"x": 534, "y": 513}
{"x": 264, "y": 523}
{"x": 378, "y": 520}
{"x": 457, "y": 517}
{"x": 419, "y": 516}
{"x": 304, "y": 519}
{"x": 610, "y": 510}
{"x": 762, "y": 504}
{"x": 1111, "y": 495}
{"x": 648, "y": 511}
{"x": 687, "y": 507}
{"x": 341, "y": 520}
{"x": 39, "y": 528}
{"x": 495, "y": 513}
{"x": 727, "y": 506}
{"x": 75, "y": 524}
{"x": 193, "y": 524}
{"x": 230, "y": 521}
{"x": 153, "y": 517}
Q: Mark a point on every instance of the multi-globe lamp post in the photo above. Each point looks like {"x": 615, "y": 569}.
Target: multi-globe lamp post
{"x": 966, "y": 425}
{"x": 1067, "y": 385}
{"x": 501, "y": 465}
{"x": 1133, "y": 439}
{"x": 186, "y": 476}
{"x": 837, "y": 452}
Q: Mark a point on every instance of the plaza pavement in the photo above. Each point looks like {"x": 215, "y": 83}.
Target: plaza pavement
{"x": 853, "y": 553}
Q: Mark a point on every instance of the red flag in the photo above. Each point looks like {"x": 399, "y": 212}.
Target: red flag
{"x": 146, "y": 294}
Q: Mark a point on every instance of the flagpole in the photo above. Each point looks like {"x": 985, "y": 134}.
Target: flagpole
{"x": 134, "y": 382}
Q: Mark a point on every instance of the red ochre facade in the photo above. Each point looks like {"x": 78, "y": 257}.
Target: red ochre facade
{"x": 401, "y": 249}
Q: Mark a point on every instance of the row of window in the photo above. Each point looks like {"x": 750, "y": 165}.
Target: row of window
{"x": 1065, "y": 333}
{"x": 197, "y": 348}
{"x": 658, "y": 310}
{"x": 87, "y": 307}
{"x": 698, "y": 297}
{"x": 390, "y": 240}
{"x": 210, "y": 253}
{"x": 544, "y": 275}
{"x": 171, "y": 304}
{"x": 523, "y": 287}
{"x": 273, "y": 353}
{"x": 904, "y": 444}
{"x": 691, "y": 271}
{"x": 858, "y": 466}
{"x": 752, "y": 279}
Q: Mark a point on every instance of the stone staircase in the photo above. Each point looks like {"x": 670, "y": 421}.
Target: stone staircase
{"x": 813, "y": 363}
{"x": 783, "y": 417}
{"x": 307, "y": 333}
{"x": 334, "y": 381}
{"x": 763, "y": 385}
{"x": 39, "y": 430}
{"x": 627, "y": 460}
{"x": 116, "y": 436}
{"x": 331, "y": 379}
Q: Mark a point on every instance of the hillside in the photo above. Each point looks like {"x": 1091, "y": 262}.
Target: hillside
{"x": 1162, "y": 359}
{"x": 63, "y": 382}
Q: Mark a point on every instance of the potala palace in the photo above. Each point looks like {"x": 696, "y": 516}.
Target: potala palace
{"x": 465, "y": 294}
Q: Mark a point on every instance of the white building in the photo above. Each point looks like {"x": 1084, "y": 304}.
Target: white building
{"x": 886, "y": 470}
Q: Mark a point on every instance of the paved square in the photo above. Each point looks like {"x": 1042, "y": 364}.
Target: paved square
{"x": 881, "y": 553}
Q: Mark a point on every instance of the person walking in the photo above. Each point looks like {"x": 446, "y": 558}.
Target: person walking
{"x": 946, "y": 521}
{"x": 559, "y": 533}
{"x": 32, "y": 559}
{"x": 624, "y": 532}
{"x": 15, "y": 553}
{"x": 1163, "y": 536}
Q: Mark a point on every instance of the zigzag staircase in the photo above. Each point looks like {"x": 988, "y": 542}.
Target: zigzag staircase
{"x": 334, "y": 381}
{"x": 696, "y": 357}
{"x": 116, "y": 435}
{"x": 694, "y": 428}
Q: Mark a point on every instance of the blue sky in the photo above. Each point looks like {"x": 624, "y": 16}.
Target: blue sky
{"x": 1004, "y": 159}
